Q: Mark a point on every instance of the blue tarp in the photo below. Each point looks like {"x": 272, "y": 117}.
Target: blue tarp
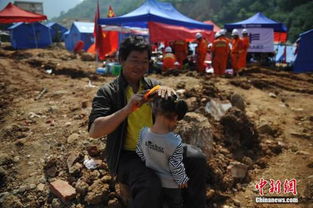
{"x": 304, "y": 59}
{"x": 33, "y": 35}
{"x": 257, "y": 21}
{"x": 155, "y": 11}
{"x": 80, "y": 31}
{"x": 57, "y": 31}
{"x": 290, "y": 53}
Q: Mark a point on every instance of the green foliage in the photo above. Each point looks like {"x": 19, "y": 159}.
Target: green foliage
{"x": 296, "y": 14}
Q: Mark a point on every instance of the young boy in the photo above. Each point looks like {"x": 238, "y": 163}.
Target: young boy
{"x": 162, "y": 150}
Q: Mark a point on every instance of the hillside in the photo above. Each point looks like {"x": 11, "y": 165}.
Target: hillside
{"x": 295, "y": 14}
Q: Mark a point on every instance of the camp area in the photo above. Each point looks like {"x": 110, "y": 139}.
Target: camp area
{"x": 243, "y": 67}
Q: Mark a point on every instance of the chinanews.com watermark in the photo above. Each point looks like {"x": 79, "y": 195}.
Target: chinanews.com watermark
{"x": 277, "y": 187}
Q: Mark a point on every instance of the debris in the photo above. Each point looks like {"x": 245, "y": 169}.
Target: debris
{"x": 63, "y": 190}
{"x": 217, "y": 108}
{"x": 237, "y": 101}
{"x": 272, "y": 95}
{"x": 90, "y": 163}
{"x": 42, "y": 92}
{"x": 238, "y": 170}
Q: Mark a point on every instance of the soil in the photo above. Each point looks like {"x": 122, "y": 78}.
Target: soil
{"x": 45, "y": 101}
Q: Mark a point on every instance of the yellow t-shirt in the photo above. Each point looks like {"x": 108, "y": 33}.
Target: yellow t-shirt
{"x": 136, "y": 121}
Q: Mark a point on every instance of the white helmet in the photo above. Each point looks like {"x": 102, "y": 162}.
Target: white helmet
{"x": 217, "y": 34}
{"x": 168, "y": 49}
{"x": 235, "y": 32}
{"x": 223, "y": 32}
{"x": 244, "y": 31}
{"x": 198, "y": 35}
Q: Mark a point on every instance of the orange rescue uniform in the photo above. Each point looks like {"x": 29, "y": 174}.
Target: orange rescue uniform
{"x": 201, "y": 51}
{"x": 236, "y": 52}
{"x": 220, "y": 51}
{"x": 181, "y": 51}
{"x": 243, "y": 56}
{"x": 169, "y": 60}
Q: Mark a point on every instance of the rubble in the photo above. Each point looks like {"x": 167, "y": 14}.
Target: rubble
{"x": 63, "y": 190}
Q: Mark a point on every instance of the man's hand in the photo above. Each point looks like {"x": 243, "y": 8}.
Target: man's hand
{"x": 135, "y": 102}
{"x": 184, "y": 185}
{"x": 166, "y": 92}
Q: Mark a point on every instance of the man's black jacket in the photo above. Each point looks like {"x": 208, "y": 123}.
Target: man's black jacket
{"x": 109, "y": 99}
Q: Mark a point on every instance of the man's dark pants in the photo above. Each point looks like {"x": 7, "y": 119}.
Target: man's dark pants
{"x": 145, "y": 185}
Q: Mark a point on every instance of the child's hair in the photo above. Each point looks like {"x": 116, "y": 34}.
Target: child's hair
{"x": 170, "y": 107}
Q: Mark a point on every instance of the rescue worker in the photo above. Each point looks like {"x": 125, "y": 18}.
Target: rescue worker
{"x": 245, "y": 43}
{"x": 220, "y": 51}
{"x": 181, "y": 51}
{"x": 169, "y": 59}
{"x": 201, "y": 50}
{"x": 236, "y": 51}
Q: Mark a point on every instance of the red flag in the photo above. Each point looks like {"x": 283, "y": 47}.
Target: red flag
{"x": 110, "y": 12}
{"x": 111, "y": 37}
{"x": 98, "y": 34}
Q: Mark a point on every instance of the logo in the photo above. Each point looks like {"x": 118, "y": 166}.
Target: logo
{"x": 155, "y": 147}
{"x": 254, "y": 36}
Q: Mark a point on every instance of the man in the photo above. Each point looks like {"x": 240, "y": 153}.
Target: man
{"x": 119, "y": 112}
{"x": 220, "y": 51}
{"x": 245, "y": 46}
{"x": 181, "y": 51}
{"x": 201, "y": 51}
{"x": 169, "y": 59}
{"x": 236, "y": 51}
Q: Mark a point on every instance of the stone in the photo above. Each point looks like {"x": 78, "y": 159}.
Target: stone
{"x": 237, "y": 101}
{"x": 22, "y": 189}
{"x": 97, "y": 193}
{"x": 266, "y": 129}
{"x": 63, "y": 190}
{"x": 81, "y": 187}
{"x": 113, "y": 203}
{"x": 76, "y": 169}
{"x": 93, "y": 151}
{"x": 72, "y": 158}
{"x": 181, "y": 85}
{"x": 11, "y": 201}
{"x": 192, "y": 104}
{"x": 72, "y": 138}
{"x": 238, "y": 170}
{"x": 56, "y": 203}
{"x": 41, "y": 187}
{"x": 5, "y": 159}
{"x": 272, "y": 95}
{"x": 236, "y": 202}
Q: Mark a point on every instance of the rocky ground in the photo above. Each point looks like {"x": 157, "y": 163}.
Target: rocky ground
{"x": 45, "y": 100}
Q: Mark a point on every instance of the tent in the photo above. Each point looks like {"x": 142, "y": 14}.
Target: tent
{"x": 257, "y": 21}
{"x": 80, "y": 31}
{"x": 304, "y": 59}
{"x": 57, "y": 31}
{"x": 33, "y": 35}
{"x": 159, "y": 14}
{"x": 215, "y": 27}
{"x": 12, "y": 13}
{"x": 260, "y": 21}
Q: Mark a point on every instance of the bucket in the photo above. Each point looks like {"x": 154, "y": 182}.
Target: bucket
{"x": 116, "y": 69}
{"x": 101, "y": 70}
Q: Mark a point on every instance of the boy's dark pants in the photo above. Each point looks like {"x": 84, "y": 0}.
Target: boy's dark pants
{"x": 145, "y": 185}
